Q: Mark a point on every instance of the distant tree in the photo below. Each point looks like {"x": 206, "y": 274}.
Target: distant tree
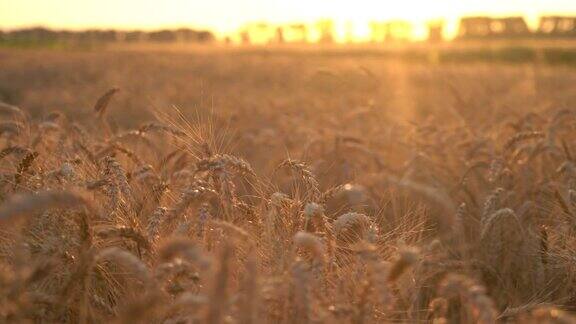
{"x": 34, "y": 35}
{"x": 245, "y": 37}
{"x": 280, "y": 39}
{"x": 435, "y": 31}
{"x": 290, "y": 33}
{"x": 326, "y": 30}
{"x": 398, "y": 30}
{"x": 193, "y": 36}
{"x": 300, "y": 33}
{"x": 388, "y": 31}
{"x": 135, "y": 36}
{"x": 163, "y": 36}
{"x": 378, "y": 31}
{"x": 205, "y": 36}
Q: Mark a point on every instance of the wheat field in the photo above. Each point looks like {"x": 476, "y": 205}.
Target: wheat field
{"x": 220, "y": 186}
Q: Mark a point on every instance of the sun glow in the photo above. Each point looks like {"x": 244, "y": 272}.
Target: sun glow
{"x": 359, "y": 21}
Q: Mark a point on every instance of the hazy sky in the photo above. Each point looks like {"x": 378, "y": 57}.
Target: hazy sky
{"x": 226, "y": 15}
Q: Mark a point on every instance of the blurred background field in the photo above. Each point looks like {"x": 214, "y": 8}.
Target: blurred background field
{"x": 290, "y": 94}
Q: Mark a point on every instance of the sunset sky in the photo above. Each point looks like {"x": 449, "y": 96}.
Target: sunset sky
{"x": 227, "y": 15}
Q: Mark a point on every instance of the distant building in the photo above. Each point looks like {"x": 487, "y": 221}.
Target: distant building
{"x": 486, "y": 27}
{"x": 510, "y": 26}
{"x": 557, "y": 26}
{"x": 474, "y": 27}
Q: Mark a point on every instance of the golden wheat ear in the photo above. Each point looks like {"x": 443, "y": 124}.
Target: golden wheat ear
{"x": 101, "y": 107}
{"x": 102, "y": 103}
